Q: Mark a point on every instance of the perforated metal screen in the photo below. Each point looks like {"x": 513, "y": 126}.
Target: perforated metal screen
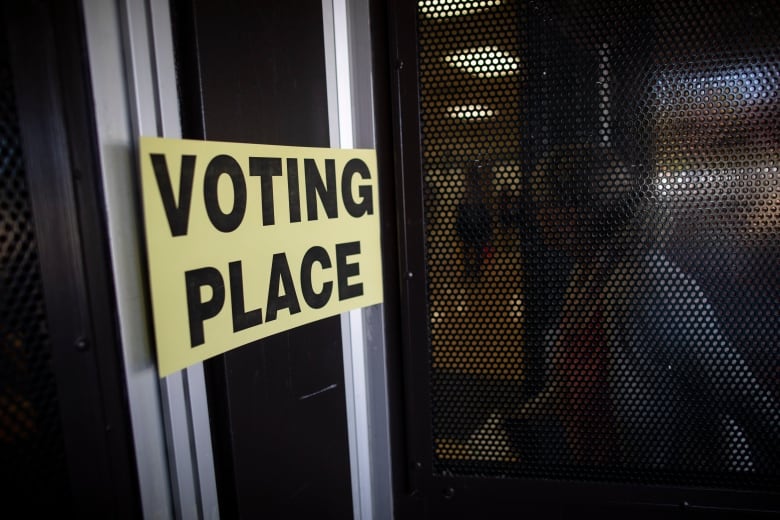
{"x": 32, "y": 455}
{"x": 602, "y": 225}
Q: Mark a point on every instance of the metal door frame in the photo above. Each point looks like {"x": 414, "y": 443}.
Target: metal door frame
{"x": 130, "y": 52}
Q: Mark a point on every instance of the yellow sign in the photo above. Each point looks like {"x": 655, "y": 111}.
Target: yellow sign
{"x": 245, "y": 241}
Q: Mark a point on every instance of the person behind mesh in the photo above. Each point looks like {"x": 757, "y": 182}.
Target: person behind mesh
{"x": 638, "y": 370}
{"x": 473, "y": 221}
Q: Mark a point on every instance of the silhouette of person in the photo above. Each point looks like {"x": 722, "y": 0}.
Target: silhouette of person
{"x": 474, "y": 219}
{"x": 638, "y": 370}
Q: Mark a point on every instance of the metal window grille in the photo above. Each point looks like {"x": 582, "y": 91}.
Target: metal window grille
{"x": 602, "y": 221}
{"x": 32, "y": 455}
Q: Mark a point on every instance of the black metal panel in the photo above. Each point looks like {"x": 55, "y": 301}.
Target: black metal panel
{"x": 590, "y": 192}
{"x": 50, "y": 84}
{"x": 413, "y": 375}
{"x": 256, "y": 73}
{"x": 32, "y": 448}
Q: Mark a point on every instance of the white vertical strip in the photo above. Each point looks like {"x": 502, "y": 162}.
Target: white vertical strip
{"x": 130, "y": 48}
{"x": 115, "y": 130}
{"x": 364, "y": 484}
{"x": 146, "y": 119}
{"x": 189, "y": 432}
{"x": 373, "y": 355}
{"x": 200, "y": 444}
{"x": 337, "y": 61}
{"x": 329, "y": 44}
{"x": 344, "y": 85}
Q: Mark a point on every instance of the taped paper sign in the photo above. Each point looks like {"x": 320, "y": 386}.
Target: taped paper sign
{"x": 245, "y": 241}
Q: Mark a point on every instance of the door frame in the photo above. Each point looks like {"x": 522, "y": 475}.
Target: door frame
{"x": 129, "y": 48}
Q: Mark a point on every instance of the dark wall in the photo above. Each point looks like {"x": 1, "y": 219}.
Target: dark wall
{"x": 254, "y": 71}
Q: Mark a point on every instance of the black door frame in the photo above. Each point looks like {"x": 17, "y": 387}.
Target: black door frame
{"x": 419, "y": 493}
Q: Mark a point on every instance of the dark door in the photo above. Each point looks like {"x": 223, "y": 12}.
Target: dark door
{"x": 64, "y": 432}
{"x": 590, "y": 228}
{"x": 255, "y": 72}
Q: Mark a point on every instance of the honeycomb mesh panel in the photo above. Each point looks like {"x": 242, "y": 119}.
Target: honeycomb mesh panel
{"x": 602, "y": 218}
{"x": 32, "y": 455}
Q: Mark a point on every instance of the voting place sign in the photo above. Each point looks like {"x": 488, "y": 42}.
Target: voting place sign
{"x": 245, "y": 241}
